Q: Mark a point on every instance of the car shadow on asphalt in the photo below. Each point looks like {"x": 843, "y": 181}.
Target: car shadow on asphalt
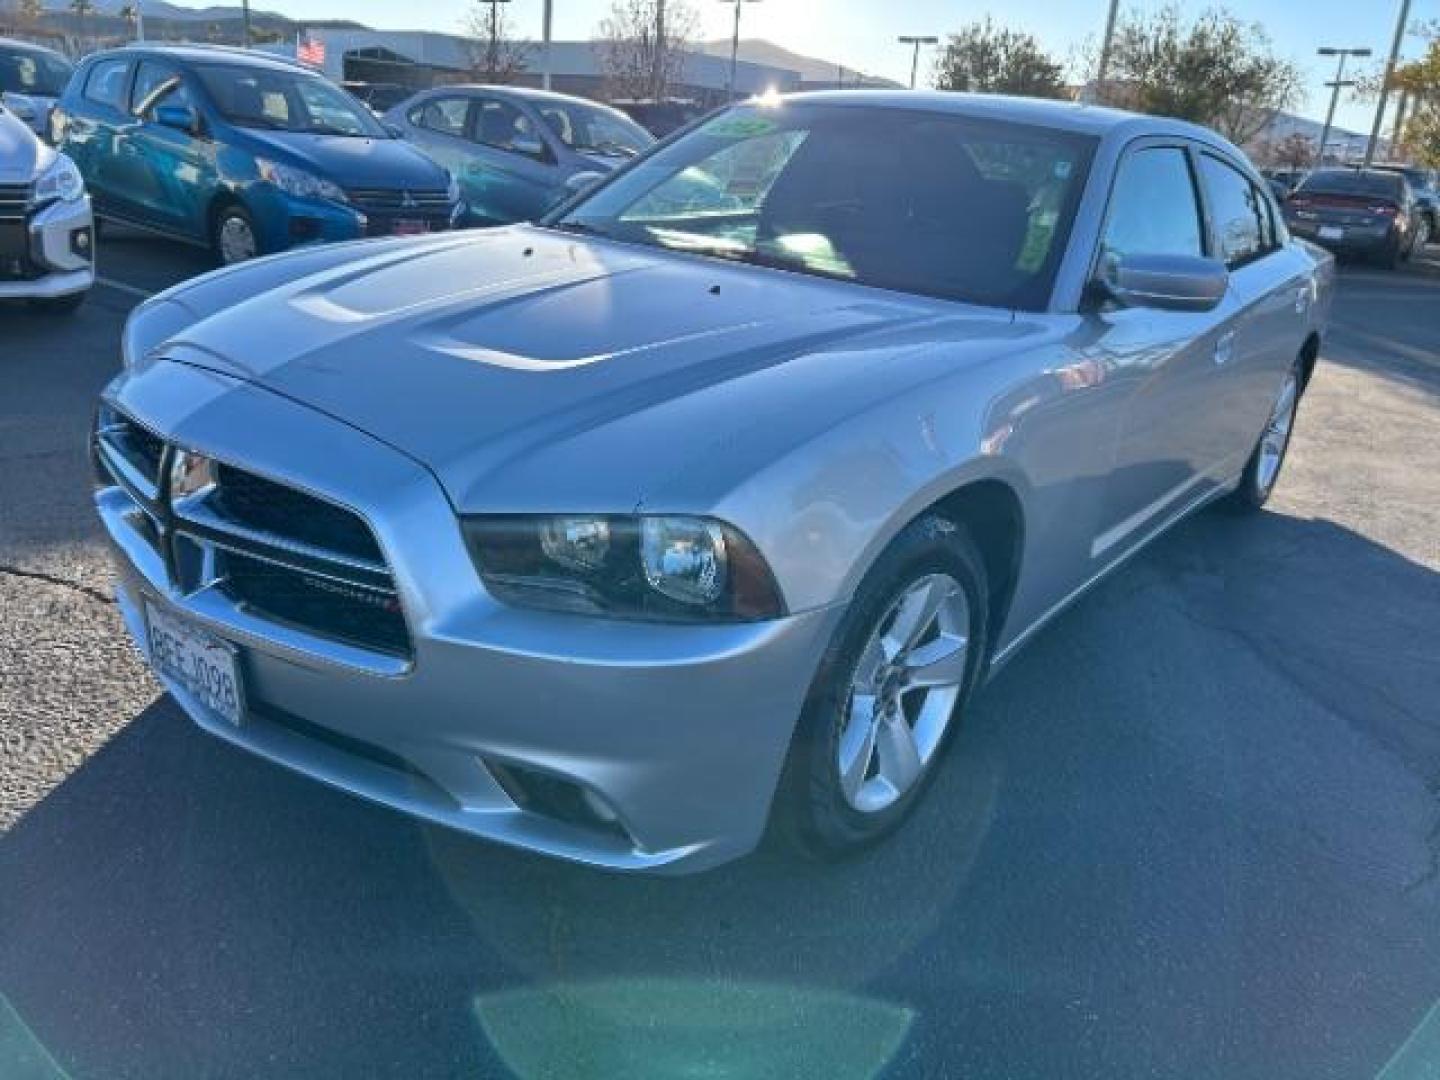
{"x": 1211, "y": 778}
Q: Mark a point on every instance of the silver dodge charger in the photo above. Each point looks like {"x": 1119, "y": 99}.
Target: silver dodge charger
{"x": 701, "y": 508}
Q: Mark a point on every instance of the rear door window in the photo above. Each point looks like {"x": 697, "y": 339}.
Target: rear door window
{"x": 1237, "y": 212}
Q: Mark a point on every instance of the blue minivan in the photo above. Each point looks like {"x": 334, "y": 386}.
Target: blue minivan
{"x": 243, "y": 152}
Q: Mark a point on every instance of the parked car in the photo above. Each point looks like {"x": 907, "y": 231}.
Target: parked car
{"x": 618, "y": 536}
{"x": 660, "y": 118}
{"x": 47, "y": 238}
{"x": 32, "y": 78}
{"x": 245, "y": 153}
{"x": 515, "y": 150}
{"x": 1363, "y": 212}
{"x": 379, "y": 98}
{"x": 1425, "y": 184}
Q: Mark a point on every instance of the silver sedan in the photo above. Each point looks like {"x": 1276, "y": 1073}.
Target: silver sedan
{"x": 709, "y": 502}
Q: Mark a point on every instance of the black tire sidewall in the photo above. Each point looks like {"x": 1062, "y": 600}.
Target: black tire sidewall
{"x": 1249, "y": 495}
{"x": 813, "y": 813}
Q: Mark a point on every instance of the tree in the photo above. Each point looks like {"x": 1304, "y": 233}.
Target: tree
{"x": 30, "y": 11}
{"x": 1216, "y": 71}
{"x": 82, "y": 9}
{"x": 497, "y": 56}
{"x": 642, "y": 45}
{"x": 982, "y": 57}
{"x": 1295, "y": 151}
{"x": 1420, "y": 82}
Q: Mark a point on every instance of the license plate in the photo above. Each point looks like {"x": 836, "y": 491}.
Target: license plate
{"x": 203, "y": 664}
{"x": 1331, "y": 232}
{"x": 405, "y": 227}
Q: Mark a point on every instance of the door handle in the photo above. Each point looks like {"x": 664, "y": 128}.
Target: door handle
{"x": 1225, "y": 347}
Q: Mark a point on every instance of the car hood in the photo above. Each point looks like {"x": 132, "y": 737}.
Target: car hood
{"x": 21, "y": 155}
{"x": 352, "y": 163}
{"x": 479, "y": 354}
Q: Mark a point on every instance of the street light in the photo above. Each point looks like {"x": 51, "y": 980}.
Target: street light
{"x": 906, "y": 39}
{"x": 735, "y": 42}
{"x": 1335, "y": 91}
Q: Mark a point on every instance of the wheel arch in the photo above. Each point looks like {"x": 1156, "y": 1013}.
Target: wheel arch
{"x": 991, "y": 510}
{"x": 1309, "y": 355}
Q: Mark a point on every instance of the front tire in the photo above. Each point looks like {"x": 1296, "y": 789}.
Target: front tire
{"x": 1262, "y": 471}
{"x": 889, "y": 692}
{"x": 233, "y": 238}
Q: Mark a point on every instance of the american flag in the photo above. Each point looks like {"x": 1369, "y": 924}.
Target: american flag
{"x": 311, "y": 51}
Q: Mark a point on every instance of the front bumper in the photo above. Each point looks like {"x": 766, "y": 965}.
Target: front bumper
{"x": 670, "y": 738}
{"x": 58, "y": 262}
{"x": 285, "y": 221}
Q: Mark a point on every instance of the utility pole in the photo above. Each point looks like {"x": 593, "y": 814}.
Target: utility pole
{"x": 1398, "y": 134}
{"x": 735, "y": 43}
{"x": 1105, "y": 45}
{"x": 546, "y": 19}
{"x": 657, "y": 78}
{"x": 906, "y": 39}
{"x": 245, "y": 12}
{"x": 1385, "y": 86}
{"x": 1335, "y": 90}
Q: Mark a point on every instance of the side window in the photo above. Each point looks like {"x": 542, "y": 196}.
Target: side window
{"x": 501, "y": 125}
{"x": 105, "y": 85}
{"x": 154, "y": 84}
{"x": 1153, "y": 209}
{"x": 1237, "y": 211}
{"x": 445, "y": 115}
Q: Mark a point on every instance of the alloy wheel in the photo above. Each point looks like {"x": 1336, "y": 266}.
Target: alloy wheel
{"x": 237, "y": 240}
{"x": 1276, "y": 439}
{"x": 903, "y": 692}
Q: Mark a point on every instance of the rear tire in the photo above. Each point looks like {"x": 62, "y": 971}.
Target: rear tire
{"x": 878, "y": 701}
{"x": 1391, "y": 254}
{"x": 1262, "y": 471}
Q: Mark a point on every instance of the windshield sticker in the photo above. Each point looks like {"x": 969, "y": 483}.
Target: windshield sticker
{"x": 740, "y": 127}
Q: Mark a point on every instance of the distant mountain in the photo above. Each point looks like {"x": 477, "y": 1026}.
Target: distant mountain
{"x": 810, "y": 68}
{"x": 162, "y": 9}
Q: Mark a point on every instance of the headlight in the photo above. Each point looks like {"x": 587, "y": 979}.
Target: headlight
{"x": 298, "y": 182}
{"x": 61, "y": 180}
{"x": 664, "y": 568}
{"x": 22, "y": 106}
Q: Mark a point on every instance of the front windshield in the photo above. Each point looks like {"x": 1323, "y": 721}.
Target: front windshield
{"x": 916, "y": 201}
{"x": 282, "y": 100}
{"x": 23, "y": 71}
{"x": 592, "y": 130}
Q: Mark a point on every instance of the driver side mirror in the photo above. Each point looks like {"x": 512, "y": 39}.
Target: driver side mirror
{"x": 530, "y": 147}
{"x": 395, "y": 130}
{"x": 180, "y": 117}
{"x": 1164, "y": 282}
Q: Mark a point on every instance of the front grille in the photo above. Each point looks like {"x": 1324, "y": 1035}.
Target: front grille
{"x": 14, "y": 201}
{"x": 130, "y": 453}
{"x": 277, "y": 553}
{"x": 401, "y": 203}
{"x": 333, "y": 607}
{"x": 265, "y": 506}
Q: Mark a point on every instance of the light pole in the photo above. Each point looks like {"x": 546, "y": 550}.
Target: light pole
{"x": 906, "y": 39}
{"x": 1335, "y": 91}
{"x": 545, "y": 21}
{"x": 1385, "y": 85}
{"x": 1103, "y": 68}
{"x": 735, "y": 43}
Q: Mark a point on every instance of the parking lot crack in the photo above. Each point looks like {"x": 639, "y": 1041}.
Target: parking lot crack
{"x": 51, "y": 579}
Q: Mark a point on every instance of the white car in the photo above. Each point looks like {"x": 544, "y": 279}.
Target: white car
{"x": 47, "y": 233}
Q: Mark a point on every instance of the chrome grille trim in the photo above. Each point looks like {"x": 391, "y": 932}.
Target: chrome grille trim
{"x": 393, "y": 201}
{"x": 345, "y": 601}
{"x": 15, "y": 201}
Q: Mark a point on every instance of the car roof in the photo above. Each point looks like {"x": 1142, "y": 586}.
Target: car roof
{"x": 1099, "y": 120}
{"x": 30, "y": 46}
{"x": 527, "y": 93}
{"x": 202, "y": 54}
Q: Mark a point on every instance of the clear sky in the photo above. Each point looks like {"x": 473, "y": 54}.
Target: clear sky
{"x": 861, "y": 33}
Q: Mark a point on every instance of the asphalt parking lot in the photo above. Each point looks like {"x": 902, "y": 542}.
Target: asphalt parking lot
{"x": 1193, "y": 831}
